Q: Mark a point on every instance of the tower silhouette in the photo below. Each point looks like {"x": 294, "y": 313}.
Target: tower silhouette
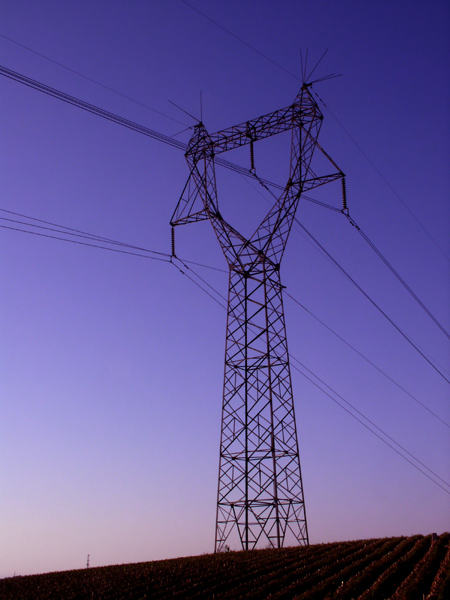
{"x": 260, "y": 491}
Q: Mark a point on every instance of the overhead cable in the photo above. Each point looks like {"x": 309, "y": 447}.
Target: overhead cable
{"x": 366, "y": 295}
{"x": 100, "y": 112}
{"x": 160, "y": 258}
{"x": 396, "y": 450}
{"x": 71, "y": 231}
{"x": 372, "y": 364}
{"x": 64, "y": 230}
{"x": 55, "y": 62}
{"x": 380, "y": 174}
{"x": 240, "y": 40}
{"x": 374, "y": 248}
{"x": 185, "y": 270}
{"x": 397, "y": 275}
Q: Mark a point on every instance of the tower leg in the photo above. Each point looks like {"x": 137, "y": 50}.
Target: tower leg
{"x": 260, "y": 492}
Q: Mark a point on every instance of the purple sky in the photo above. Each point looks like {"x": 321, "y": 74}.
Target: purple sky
{"x": 112, "y": 365}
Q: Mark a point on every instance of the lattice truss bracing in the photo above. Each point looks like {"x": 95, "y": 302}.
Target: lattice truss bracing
{"x": 260, "y": 492}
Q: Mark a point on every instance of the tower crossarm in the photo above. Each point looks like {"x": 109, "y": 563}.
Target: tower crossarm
{"x": 258, "y": 129}
{"x": 300, "y": 113}
{"x": 315, "y": 182}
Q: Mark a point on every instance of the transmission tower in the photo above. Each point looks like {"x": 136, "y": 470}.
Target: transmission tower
{"x": 260, "y": 491}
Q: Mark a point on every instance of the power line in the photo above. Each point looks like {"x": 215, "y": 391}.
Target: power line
{"x": 169, "y": 140}
{"x": 219, "y": 303}
{"x": 41, "y": 87}
{"x": 55, "y": 62}
{"x": 167, "y": 258}
{"x": 185, "y": 272}
{"x": 160, "y": 137}
{"x": 397, "y": 275}
{"x": 71, "y": 231}
{"x": 293, "y": 75}
{"x": 366, "y": 295}
{"x": 369, "y": 421}
{"x": 376, "y": 434}
{"x": 76, "y": 232}
{"x": 366, "y": 359}
{"x": 63, "y": 229}
{"x": 89, "y": 237}
{"x": 241, "y": 40}
{"x": 160, "y": 258}
{"x": 374, "y": 248}
{"x": 380, "y": 174}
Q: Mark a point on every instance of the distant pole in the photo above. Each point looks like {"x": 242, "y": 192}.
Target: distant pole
{"x": 260, "y": 492}
{"x": 87, "y": 562}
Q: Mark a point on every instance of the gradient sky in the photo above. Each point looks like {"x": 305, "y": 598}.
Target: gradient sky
{"x": 112, "y": 365}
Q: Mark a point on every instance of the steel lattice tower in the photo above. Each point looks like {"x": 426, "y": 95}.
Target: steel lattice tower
{"x": 260, "y": 491}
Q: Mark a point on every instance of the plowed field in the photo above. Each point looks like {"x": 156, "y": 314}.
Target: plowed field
{"x": 414, "y": 567}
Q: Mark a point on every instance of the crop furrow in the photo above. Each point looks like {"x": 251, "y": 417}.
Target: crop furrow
{"x": 391, "y": 551}
{"x": 389, "y": 581}
{"x": 304, "y": 579}
{"x": 419, "y": 581}
{"x": 338, "y": 583}
{"x": 251, "y": 578}
{"x": 335, "y": 580}
{"x": 442, "y": 575}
